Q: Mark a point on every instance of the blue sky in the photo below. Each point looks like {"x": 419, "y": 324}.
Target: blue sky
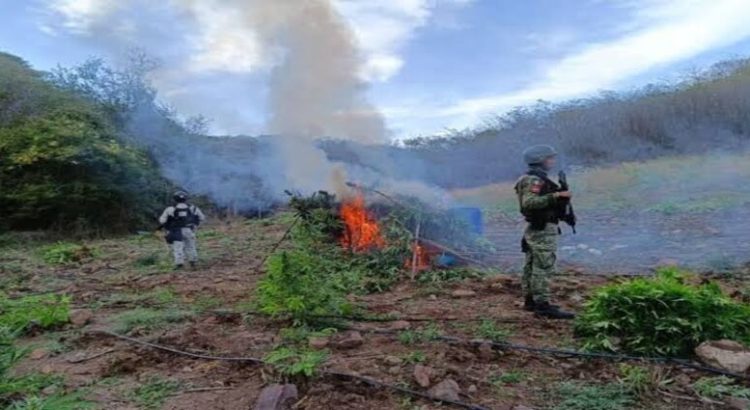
{"x": 429, "y": 64}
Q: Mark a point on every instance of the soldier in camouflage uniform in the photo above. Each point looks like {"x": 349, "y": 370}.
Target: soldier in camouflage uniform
{"x": 538, "y": 200}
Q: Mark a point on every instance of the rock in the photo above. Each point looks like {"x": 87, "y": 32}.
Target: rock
{"x": 400, "y": 325}
{"x": 726, "y": 354}
{"x": 277, "y": 397}
{"x": 350, "y": 340}
{"x": 37, "y": 354}
{"x": 80, "y": 317}
{"x": 318, "y": 342}
{"x": 738, "y": 403}
{"x": 422, "y": 375}
{"x": 394, "y": 370}
{"x": 485, "y": 351}
{"x": 447, "y": 389}
{"x": 433, "y": 297}
{"x": 393, "y": 360}
{"x": 49, "y": 390}
{"x": 463, "y": 293}
{"x": 472, "y": 389}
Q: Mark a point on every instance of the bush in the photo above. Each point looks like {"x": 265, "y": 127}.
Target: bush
{"x": 66, "y": 252}
{"x": 661, "y": 316}
{"x": 45, "y": 311}
{"x": 293, "y": 362}
{"x": 578, "y": 396}
{"x": 302, "y": 284}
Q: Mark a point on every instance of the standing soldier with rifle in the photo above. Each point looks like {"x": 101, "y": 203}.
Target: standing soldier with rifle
{"x": 543, "y": 204}
{"x": 181, "y": 221}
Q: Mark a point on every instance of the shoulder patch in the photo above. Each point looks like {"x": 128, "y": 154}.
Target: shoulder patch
{"x": 536, "y": 186}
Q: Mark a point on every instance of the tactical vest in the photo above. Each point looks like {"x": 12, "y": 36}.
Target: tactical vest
{"x": 539, "y": 218}
{"x": 182, "y": 218}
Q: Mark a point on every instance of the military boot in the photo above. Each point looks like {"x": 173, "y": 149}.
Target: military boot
{"x": 530, "y": 305}
{"x": 544, "y": 309}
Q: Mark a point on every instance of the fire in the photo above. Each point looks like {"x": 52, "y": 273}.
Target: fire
{"x": 420, "y": 258}
{"x": 361, "y": 231}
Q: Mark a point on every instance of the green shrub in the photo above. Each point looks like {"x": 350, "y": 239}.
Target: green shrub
{"x": 488, "y": 329}
{"x": 44, "y": 311}
{"x": 296, "y": 362}
{"x": 302, "y": 284}
{"x": 66, "y": 252}
{"x": 661, "y": 316}
{"x": 718, "y": 387}
{"x": 152, "y": 394}
{"x": 579, "y": 396}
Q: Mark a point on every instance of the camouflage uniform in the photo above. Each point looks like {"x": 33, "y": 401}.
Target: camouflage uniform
{"x": 540, "y": 242}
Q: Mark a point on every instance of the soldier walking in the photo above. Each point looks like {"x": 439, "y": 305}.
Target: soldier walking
{"x": 181, "y": 221}
{"x": 539, "y": 199}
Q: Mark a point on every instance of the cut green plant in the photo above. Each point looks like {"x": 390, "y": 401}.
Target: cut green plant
{"x": 663, "y": 315}
{"x": 294, "y": 362}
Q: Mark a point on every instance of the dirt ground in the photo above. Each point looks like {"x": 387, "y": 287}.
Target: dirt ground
{"x": 219, "y": 295}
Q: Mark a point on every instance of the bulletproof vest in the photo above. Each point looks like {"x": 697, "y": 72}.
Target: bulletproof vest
{"x": 182, "y": 218}
{"x": 538, "y": 218}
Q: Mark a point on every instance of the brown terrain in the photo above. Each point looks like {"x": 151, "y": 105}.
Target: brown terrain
{"x": 221, "y": 322}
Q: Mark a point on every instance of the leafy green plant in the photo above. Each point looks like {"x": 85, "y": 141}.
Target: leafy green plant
{"x": 302, "y": 285}
{"x": 65, "y": 252}
{"x": 642, "y": 380}
{"x": 663, "y": 315}
{"x": 296, "y": 362}
{"x": 510, "y": 377}
{"x": 720, "y": 386}
{"x": 579, "y": 396}
{"x": 154, "y": 392}
{"x": 428, "y": 333}
{"x": 45, "y": 311}
{"x": 488, "y": 329}
{"x": 55, "y": 402}
{"x": 414, "y": 357}
{"x": 148, "y": 319}
{"x": 449, "y": 275}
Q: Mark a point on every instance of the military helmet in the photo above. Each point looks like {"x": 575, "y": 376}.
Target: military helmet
{"x": 180, "y": 196}
{"x": 538, "y": 153}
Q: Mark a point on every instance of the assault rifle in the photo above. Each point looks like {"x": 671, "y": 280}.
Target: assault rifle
{"x": 566, "y": 213}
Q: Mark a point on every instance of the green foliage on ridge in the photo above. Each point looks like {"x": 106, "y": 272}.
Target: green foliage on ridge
{"x": 64, "y": 164}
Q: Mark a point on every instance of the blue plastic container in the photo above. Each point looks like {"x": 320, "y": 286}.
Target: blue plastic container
{"x": 472, "y": 216}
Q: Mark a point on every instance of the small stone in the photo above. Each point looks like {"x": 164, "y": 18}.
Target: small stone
{"x": 486, "y": 352}
{"x": 433, "y": 297}
{"x": 350, "y": 340}
{"x": 726, "y": 354}
{"x": 37, "y": 354}
{"x": 318, "y": 342}
{"x": 394, "y": 370}
{"x": 80, "y": 317}
{"x": 463, "y": 293}
{"x": 277, "y": 397}
{"x": 47, "y": 369}
{"x": 472, "y": 389}
{"x": 49, "y": 390}
{"x": 393, "y": 360}
{"x": 400, "y": 325}
{"x": 422, "y": 375}
{"x": 447, "y": 389}
{"x": 738, "y": 403}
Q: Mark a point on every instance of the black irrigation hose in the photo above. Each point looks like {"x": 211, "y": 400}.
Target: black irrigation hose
{"x": 592, "y": 355}
{"x": 334, "y": 374}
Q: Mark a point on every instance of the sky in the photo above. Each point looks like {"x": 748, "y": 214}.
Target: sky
{"x": 427, "y": 65}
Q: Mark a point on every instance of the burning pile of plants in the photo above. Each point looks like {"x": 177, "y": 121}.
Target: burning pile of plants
{"x": 343, "y": 247}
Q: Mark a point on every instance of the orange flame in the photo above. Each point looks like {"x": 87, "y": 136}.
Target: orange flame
{"x": 361, "y": 231}
{"x": 419, "y": 260}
